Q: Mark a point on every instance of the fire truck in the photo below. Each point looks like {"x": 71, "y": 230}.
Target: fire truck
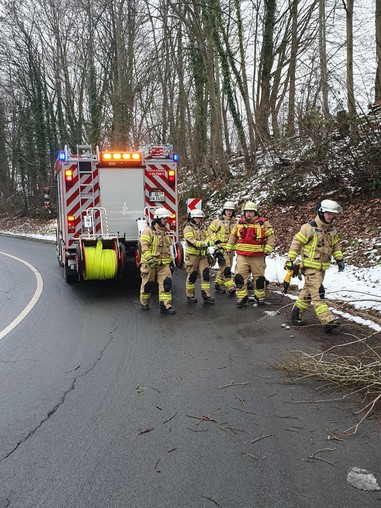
{"x": 105, "y": 200}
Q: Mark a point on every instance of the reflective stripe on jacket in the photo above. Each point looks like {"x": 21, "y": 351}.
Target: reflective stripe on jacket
{"x": 155, "y": 242}
{"x": 252, "y": 239}
{"x": 316, "y": 243}
{"x": 221, "y": 228}
{"x": 195, "y": 239}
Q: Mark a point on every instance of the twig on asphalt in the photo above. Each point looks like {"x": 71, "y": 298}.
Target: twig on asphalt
{"x": 314, "y": 455}
{"x": 226, "y": 426}
{"x": 250, "y": 455}
{"x": 233, "y": 384}
{"x": 212, "y": 500}
{"x": 202, "y": 418}
{"x": 145, "y": 431}
{"x": 170, "y": 418}
{"x": 262, "y": 437}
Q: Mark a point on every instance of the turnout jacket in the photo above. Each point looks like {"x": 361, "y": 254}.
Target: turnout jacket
{"x": 316, "y": 243}
{"x": 155, "y": 243}
{"x": 195, "y": 237}
{"x": 221, "y": 228}
{"x": 252, "y": 238}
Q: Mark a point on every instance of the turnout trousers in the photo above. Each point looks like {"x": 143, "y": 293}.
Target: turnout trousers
{"x": 197, "y": 266}
{"x": 162, "y": 274}
{"x": 256, "y": 266}
{"x": 224, "y": 274}
{"x": 310, "y": 295}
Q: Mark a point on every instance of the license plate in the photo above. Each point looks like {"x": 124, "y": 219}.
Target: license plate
{"x": 157, "y": 196}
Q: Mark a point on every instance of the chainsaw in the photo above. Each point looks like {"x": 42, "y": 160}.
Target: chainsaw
{"x": 294, "y": 271}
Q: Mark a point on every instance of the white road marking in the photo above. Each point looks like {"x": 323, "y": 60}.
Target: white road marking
{"x": 32, "y": 302}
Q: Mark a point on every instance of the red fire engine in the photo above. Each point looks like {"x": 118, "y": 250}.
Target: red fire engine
{"x": 104, "y": 201}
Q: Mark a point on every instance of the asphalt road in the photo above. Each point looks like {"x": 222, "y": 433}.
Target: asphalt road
{"x": 104, "y": 405}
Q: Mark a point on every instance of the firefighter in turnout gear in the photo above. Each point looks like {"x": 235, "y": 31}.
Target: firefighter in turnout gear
{"x": 316, "y": 243}
{"x": 253, "y": 239}
{"x": 196, "y": 259}
{"x": 156, "y": 262}
{"x": 219, "y": 231}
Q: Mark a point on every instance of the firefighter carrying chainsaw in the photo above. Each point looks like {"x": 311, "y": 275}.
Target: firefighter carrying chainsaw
{"x": 253, "y": 239}
{"x": 219, "y": 231}
{"x": 156, "y": 262}
{"x": 316, "y": 243}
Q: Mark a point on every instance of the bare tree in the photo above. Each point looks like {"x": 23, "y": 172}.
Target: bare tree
{"x": 348, "y": 6}
{"x": 377, "y": 88}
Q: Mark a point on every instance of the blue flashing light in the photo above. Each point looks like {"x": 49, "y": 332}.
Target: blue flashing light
{"x": 62, "y": 156}
{"x": 175, "y": 157}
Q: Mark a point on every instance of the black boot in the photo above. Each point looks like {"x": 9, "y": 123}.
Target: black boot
{"x": 295, "y": 316}
{"x": 207, "y": 299}
{"x": 331, "y": 325}
{"x": 242, "y": 303}
{"x": 144, "y": 307}
{"x": 166, "y": 310}
{"x": 232, "y": 292}
{"x": 191, "y": 299}
{"x": 219, "y": 289}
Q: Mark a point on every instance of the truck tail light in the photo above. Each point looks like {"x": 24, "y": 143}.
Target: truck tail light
{"x": 172, "y": 221}
{"x": 171, "y": 176}
{"x": 69, "y": 177}
{"x": 71, "y": 223}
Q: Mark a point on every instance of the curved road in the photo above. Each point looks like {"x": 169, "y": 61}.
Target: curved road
{"x": 103, "y": 405}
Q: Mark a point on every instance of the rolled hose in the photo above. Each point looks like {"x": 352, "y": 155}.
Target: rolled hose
{"x": 100, "y": 264}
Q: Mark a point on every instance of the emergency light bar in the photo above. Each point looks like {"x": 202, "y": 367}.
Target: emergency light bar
{"x": 121, "y": 158}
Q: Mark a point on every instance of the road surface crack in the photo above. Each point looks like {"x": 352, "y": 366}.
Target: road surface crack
{"x": 60, "y": 402}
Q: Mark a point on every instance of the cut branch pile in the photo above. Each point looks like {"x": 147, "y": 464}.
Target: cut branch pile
{"x": 354, "y": 374}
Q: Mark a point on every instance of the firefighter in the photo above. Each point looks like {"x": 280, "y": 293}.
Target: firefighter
{"x": 316, "y": 243}
{"x": 196, "y": 259}
{"x": 219, "y": 231}
{"x": 253, "y": 239}
{"x": 156, "y": 262}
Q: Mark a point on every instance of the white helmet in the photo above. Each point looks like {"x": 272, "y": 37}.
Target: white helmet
{"x": 196, "y": 213}
{"x": 161, "y": 213}
{"x": 327, "y": 205}
{"x": 249, "y": 206}
{"x": 229, "y": 205}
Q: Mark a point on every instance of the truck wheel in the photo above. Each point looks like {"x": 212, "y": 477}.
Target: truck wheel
{"x": 179, "y": 259}
{"x": 79, "y": 259}
{"x": 138, "y": 256}
{"x": 122, "y": 261}
{"x": 59, "y": 249}
{"x": 69, "y": 276}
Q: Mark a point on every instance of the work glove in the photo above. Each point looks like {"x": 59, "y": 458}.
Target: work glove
{"x": 341, "y": 265}
{"x": 289, "y": 265}
{"x": 151, "y": 262}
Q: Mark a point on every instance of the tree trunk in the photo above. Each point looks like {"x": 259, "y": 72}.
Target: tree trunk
{"x": 323, "y": 59}
{"x": 377, "y": 88}
{"x": 350, "y": 89}
{"x": 266, "y": 63}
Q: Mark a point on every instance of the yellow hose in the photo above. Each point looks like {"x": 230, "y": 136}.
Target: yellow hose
{"x": 100, "y": 264}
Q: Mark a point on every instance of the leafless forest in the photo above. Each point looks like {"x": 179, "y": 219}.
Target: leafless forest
{"x": 219, "y": 79}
